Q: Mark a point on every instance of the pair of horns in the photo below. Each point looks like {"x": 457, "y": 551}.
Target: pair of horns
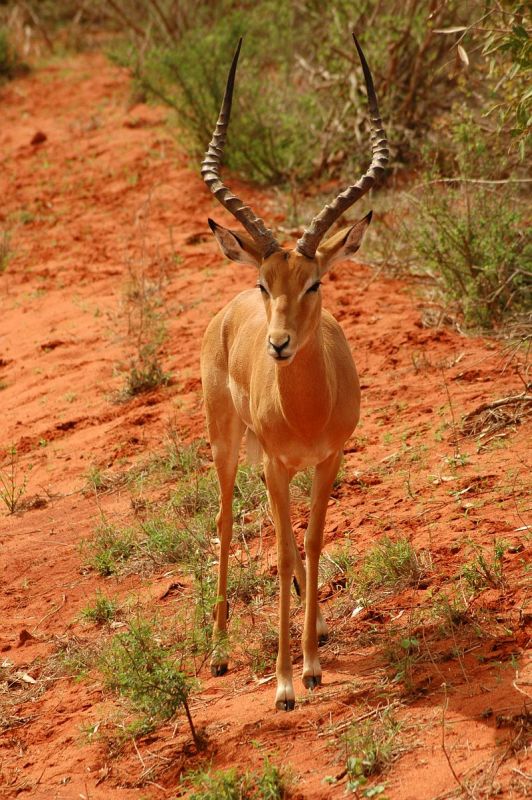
{"x": 263, "y": 236}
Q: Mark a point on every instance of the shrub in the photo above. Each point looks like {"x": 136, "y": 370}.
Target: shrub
{"x": 300, "y": 105}
{"x": 476, "y": 245}
{"x": 148, "y": 674}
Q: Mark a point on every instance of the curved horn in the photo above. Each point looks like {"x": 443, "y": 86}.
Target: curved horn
{"x": 309, "y": 242}
{"x": 210, "y": 170}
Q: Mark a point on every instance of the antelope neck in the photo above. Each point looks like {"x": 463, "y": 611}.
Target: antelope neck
{"x": 305, "y": 394}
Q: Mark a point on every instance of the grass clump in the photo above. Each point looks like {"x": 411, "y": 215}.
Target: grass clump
{"x": 390, "y": 565}
{"x": 370, "y": 747}
{"x": 270, "y": 784}
{"x": 111, "y": 548}
{"x": 145, "y": 329}
{"x": 145, "y": 372}
{"x": 103, "y": 610}
{"x": 483, "y": 571}
{"x": 13, "y": 483}
{"x": 149, "y": 674}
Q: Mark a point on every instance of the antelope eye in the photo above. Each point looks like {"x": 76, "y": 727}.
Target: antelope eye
{"x": 314, "y": 287}
{"x": 262, "y": 288}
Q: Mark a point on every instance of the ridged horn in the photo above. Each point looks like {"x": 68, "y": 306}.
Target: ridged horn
{"x": 210, "y": 171}
{"x": 309, "y": 242}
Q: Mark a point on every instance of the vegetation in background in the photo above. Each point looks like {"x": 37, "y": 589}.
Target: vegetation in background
{"x": 10, "y": 64}
{"x": 146, "y": 332}
{"x": 303, "y": 122}
{"x": 452, "y": 78}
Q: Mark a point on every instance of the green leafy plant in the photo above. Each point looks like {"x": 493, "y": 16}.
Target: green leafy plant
{"x": 477, "y": 247}
{"x": 149, "y": 674}
{"x": 270, "y": 784}
{"x": 370, "y": 746}
{"x": 402, "y": 652}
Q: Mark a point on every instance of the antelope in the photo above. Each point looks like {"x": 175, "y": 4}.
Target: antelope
{"x": 276, "y": 366}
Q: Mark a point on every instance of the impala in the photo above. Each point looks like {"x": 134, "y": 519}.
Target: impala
{"x": 277, "y": 367}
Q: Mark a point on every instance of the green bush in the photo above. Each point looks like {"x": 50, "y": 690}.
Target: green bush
{"x": 300, "y": 109}
{"x": 477, "y": 246}
{"x": 149, "y": 674}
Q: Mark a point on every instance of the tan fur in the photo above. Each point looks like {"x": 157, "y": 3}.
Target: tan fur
{"x": 300, "y": 410}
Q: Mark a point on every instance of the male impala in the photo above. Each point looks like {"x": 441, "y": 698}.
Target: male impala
{"x": 276, "y": 365}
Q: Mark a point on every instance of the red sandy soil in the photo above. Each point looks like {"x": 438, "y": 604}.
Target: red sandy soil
{"x": 107, "y": 187}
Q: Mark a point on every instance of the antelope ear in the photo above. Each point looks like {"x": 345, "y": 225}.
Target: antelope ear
{"x": 343, "y": 245}
{"x": 236, "y": 246}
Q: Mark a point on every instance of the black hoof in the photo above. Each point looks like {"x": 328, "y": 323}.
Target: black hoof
{"x": 323, "y": 639}
{"x": 311, "y": 681}
{"x": 218, "y": 669}
{"x": 285, "y": 705}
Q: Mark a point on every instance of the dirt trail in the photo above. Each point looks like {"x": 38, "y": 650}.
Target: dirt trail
{"x": 108, "y": 187}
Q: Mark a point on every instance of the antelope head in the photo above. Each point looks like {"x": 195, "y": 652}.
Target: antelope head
{"x": 289, "y": 280}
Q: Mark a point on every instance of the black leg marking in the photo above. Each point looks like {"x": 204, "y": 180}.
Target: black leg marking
{"x": 285, "y": 705}
{"x": 311, "y": 681}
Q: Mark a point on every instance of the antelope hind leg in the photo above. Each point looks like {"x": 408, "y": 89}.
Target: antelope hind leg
{"x": 225, "y": 433}
{"x": 321, "y": 489}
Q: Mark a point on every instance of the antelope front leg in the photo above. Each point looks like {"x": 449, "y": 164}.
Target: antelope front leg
{"x": 321, "y": 490}
{"x": 277, "y": 481}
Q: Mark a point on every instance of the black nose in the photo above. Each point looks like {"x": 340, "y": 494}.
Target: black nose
{"x": 280, "y": 347}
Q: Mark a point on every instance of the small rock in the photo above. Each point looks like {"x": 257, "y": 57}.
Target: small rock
{"x": 38, "y": 138}
{"x": 23, "y": 637}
